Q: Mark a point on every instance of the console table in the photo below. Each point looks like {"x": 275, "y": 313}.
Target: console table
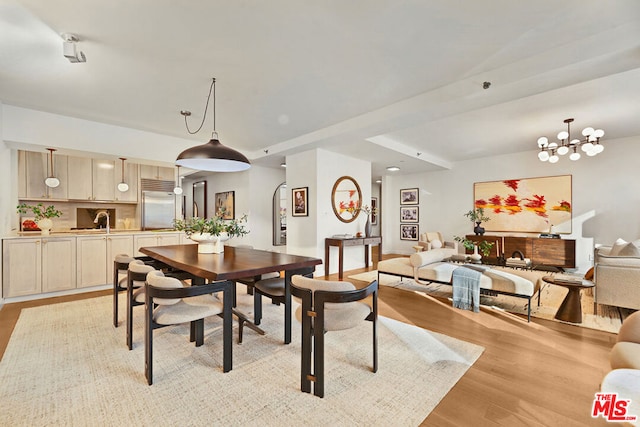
{"x": 559, "y": 253}
{"x": 341, "y": 243}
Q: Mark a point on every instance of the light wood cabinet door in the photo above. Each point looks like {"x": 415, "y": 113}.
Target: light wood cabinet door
{"x": 117, "y": 244}
{"x": 91, "y": 266}
{"x": 22, "y": 174}
{"x": 36, "y": 168}
{"x": 80, "y": 178}
{"x": 149, "y": 241}
{"x": 58, "y": 264}
{"x": 184, "y": 240}
{"x": 104, "y": 181}
{"x": 36, "y": 173}
{"x": 157, "y": 172}
{"x": 131, "y": 178}
{"x": 21, "y": 267}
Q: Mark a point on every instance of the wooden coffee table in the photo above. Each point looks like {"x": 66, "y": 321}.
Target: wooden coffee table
{"x": 571, "y": 308}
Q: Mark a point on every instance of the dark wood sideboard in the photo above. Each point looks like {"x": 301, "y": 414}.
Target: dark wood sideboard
{"x": 551, "y": 252}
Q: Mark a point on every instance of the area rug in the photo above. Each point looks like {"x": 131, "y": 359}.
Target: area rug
{"x": 66, "y": 364}
{"x": 609, "y": 319}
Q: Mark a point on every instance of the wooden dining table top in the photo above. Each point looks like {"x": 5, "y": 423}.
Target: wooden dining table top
{"x": 233, "y": 263}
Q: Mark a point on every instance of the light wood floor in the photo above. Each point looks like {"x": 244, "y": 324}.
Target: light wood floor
{"x": 539, "y": 374}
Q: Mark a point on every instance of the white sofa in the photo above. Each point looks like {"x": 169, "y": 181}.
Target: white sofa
{"x": 433, "y": 266}
{"x": 617, "y": 275}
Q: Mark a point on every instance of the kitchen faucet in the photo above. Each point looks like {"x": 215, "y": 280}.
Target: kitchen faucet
{"x": 102, "y": 213}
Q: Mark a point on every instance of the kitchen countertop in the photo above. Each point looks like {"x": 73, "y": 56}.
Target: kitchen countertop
{"x": 88, "y": 232}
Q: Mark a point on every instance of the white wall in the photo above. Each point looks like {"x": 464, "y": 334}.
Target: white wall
{"x": 319, "y": 170}
{"x": 605, "y": 198}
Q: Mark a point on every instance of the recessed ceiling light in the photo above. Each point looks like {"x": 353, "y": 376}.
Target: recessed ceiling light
{"x": 283, "y": 165}
{"x": 393, "y": 168}
{"x": 378, "y": 181}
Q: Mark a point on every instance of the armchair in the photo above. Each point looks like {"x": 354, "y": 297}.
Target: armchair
{"x": 329, "y": 306}
{"x": 433, "y": 240}
{"x": 617, "y": 275}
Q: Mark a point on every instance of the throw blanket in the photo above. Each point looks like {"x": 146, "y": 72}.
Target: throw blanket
{"x": 466, "y": 288}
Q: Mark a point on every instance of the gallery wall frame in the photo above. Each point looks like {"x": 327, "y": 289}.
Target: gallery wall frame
{"x": 409, "y": 214}
{"x": 300, "y": 201}
{"x": 409, "y": 196}
{"x": 528, "y": 205}
{"x": 409, "y": 232}
{"x": 226, "y": 204}
{"x": 374, "y": 211}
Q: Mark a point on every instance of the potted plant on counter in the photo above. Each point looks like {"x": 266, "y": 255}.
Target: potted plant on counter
{"x": 211, "y": 233}
{"x": 42, "y": 215}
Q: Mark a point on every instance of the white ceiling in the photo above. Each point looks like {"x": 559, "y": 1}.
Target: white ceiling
{"x": 381, "y": 80}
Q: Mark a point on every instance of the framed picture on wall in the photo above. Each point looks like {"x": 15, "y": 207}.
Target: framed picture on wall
{"x": 409, "y": 214}
{"x": 226, "y": 204}
{"x": 300, "y": 201}
{"x": 374, "y": 211}
{"x": 409, "y": 196}
{"x": 409, "y": 232}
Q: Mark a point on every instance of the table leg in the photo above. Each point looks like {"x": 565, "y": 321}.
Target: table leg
{"x": 326, "y": 259}
{"x": 340, "y": 258}
{"x": 571, "y": 308}
{"x": 366, "y": 256}
{"x": 227, "y": 331}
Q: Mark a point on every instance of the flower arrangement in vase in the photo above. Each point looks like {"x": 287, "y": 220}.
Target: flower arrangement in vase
{"x": 483, "y": 246}
{"x": 42, "y": 215}
{"x": 211, "y": 233}
{"x": 478, "y": 217}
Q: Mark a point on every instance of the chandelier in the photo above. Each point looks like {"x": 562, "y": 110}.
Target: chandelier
{"x": 590, "y": 144}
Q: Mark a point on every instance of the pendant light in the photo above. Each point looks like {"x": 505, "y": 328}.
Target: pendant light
{"x": 123, "y": 186}
{"x": 212, "y": 156}
{"x": 51, "y": 180}
{"x": 178, "y": 189}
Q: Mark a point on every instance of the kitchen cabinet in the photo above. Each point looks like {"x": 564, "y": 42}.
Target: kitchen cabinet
{"x": 103, "y": 179}
{"x": 157, "y": 172}
{"x": 91, "y": 266}
{"x": 33, "y": 266}
{"x": 131, "y": 178}
{"x": 117, "y": 244}
{"x": 184, "y": 240}
{"x": 80, "y": 178}
{"x": 152, "y": 240}
{"x": 33, "y": 169}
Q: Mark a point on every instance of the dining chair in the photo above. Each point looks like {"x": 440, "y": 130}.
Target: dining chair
{"x": 250, "y": 282}
{"x": 120, "y": 267}
{"x": 329, "y": 306}
{"x": 136, "y": 276}
{"x": 169, "y": 302}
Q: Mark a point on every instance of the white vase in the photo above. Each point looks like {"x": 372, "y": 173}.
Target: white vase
{"x": 475, "y": 256}
{"x": 208, "y": 243}
{"x": 45, "y": 225}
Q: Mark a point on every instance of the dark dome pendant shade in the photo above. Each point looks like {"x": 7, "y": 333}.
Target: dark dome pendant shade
{"x": 212, "y": 156}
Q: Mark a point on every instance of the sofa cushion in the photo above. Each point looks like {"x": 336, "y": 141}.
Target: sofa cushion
{"x": 436, "y": 244}
{"x": 428, "y": 257}
{"x": 630, "y": 329}
{"x": 617, "y": 247}
{"x": 629, "y": 250}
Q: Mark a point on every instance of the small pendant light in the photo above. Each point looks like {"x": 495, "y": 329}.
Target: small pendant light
{"x": 178, "y": 189}
{"x": 51, "y": 181}
{"x": 123, "y": 186}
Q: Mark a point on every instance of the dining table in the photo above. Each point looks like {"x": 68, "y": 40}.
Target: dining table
{"x": 236, "y": 263}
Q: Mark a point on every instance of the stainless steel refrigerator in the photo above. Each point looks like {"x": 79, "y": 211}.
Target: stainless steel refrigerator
{"x": 158, "y": 210}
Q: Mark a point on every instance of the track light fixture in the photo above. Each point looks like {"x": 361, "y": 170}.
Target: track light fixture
{"x": 69, "y": 49}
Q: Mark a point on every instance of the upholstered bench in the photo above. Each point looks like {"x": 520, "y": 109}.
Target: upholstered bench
{"x": 432, "y": 266}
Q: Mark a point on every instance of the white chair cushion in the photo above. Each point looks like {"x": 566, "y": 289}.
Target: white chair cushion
{"x": 137, "y": 266}
{"x": 157, "y": 278}
{"x": 183, "y": 311}
{"x": 124, "y": 258}
{"x": 346, "y": 317}
{"x": 436, "y": 244}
